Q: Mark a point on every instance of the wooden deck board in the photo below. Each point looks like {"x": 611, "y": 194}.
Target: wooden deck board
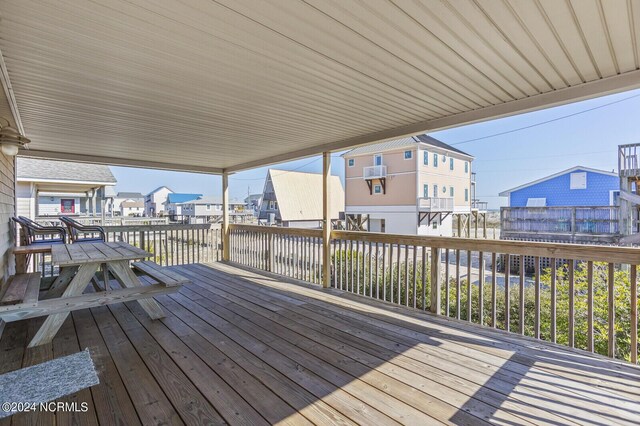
{"x": 242, "y": 348}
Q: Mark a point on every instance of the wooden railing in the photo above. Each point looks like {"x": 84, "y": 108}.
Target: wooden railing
{"x": 581, "y": 296}
{"x": 170, "y": 244}
{"x": 108, "y": 221}
{"x": 292, "y": 252}
{"x": 566, "y": 224}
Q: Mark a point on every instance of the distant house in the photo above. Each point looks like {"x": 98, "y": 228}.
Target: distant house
{"x": 207, "y": 209}
{"x": 294, "y": 199}
{"x": 175, "y": 200}
{"x": 52, "y": 188}
{"x": 412, "y": 185}
{"x": 578, "y": 205}
{"x": 253, "y": 202}
{"x": 154, "y": 201}
{"x": 129, "y": 204}
{"x": 577, "y": 186}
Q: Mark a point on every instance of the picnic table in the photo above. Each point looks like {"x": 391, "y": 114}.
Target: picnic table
{"x": 79, "y": 264}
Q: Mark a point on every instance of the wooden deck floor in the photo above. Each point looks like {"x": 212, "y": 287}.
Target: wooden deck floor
{"x": 241, "y": 348}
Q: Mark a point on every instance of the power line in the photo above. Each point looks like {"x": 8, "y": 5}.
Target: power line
{"x": 287, "y": 171}
{"x": 546, "y": 122}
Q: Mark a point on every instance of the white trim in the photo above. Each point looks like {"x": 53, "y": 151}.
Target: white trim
{"x": 388, "y": 174}
{"x": 112, "y": 161}
{"x": 74, "y": 182}
{"x": 555, "y": 175}
{"x": 8, "y": 91}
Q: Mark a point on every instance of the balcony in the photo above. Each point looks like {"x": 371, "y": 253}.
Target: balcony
{"x": 435, "y": 204}
{"x": 562, "y": 224}
{"x": 479, "y": 205}
{"x": 374, "y": 172}
{"x": 628, "y": 164}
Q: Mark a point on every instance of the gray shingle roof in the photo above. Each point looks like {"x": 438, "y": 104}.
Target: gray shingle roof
{"x": 36, "y": 168}
{"x": 132, "y": 195}
{"x": 402, "y": 143}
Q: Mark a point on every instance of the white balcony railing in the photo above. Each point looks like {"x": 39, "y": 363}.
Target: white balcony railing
{"x": 435, "y": 204}
{"x": 374, "y": 172}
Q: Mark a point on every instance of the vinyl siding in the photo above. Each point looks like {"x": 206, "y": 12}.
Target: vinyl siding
{"x": 558, "y": 193}
{"x": 7, "y": 210}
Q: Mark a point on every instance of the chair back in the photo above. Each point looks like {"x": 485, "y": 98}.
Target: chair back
{"x": 75, "y": 228}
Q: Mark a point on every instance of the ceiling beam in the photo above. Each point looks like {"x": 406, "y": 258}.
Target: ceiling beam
{"x": 112, "y": 161}
{"x": 605, "y": 86}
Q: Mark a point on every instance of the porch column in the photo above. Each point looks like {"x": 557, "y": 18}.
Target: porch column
{"x": 225, "y": 216}
{"x": 326, "y": 219}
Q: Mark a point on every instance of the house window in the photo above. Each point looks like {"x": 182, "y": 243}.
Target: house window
{"x": 351, "y": 162}
{"x": 466, "y": 194}
{"x": 451, "y": 191}
{"x": 435, "y": 190}
{"x": 425, "y": 190}
{"x": 408, "y": 155}
{"x": 271, "y": 205}
{"x": 275, "y": 205}
{"x": 450, "y": 163}
{"x": 444, "y": 189}
{"x": 466, "y": 167}
{"x": 578, "y": 180}
{"x": 435, "y": 160}
{"x": 67, "y": 205}
{"x": 425, "y": 160}
{"x": 377, "y": 189}
{"x": 377, "y": 160}
{"x": 435, "y": 224}
{"x": 208, "y": 206}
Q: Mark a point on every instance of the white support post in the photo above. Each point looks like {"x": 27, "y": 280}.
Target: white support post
{"x": 225, "y": 217}
{"x": 326, "y": 219}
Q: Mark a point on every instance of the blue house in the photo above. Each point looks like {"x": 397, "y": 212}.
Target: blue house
{"x": 578, "y": 205}
{"x": 577, "y": 187}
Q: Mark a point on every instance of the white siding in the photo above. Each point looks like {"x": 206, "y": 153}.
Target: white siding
{"x": 7, "y": 210}
{"x": 50, "y": 206}
{"x": 26, "y": 200}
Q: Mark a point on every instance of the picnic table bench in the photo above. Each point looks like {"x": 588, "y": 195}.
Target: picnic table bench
{"x": 78, "y": 265}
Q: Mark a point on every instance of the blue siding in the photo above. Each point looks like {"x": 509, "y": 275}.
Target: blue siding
{"x": 558, "y": 193}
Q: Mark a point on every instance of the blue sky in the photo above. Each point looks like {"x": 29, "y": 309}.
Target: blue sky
{"x": 587, "y": 139}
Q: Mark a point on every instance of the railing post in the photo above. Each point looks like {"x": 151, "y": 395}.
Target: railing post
{"x": 436, "y": 280}
{"x": 225, "y": 216}
{"x": 270, "y": 253}
{"x": 142, "y": 240}
{"x": 326, "y": 219}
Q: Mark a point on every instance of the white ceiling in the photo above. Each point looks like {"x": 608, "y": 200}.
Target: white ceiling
{"x": 228, "y": 84}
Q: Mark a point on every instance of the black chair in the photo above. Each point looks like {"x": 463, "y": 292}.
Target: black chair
{"x": 78, "y": 232}
{"x": 34, "y": 233}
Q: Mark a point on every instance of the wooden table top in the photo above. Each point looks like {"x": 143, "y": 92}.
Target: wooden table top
{"x": 97, "y": 252}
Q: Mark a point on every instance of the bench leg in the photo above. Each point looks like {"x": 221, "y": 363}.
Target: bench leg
{"x": 53, "y": 322}
{"x": 127, "y": 278}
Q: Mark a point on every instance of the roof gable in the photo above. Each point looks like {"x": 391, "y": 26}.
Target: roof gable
{"x": 404, "y": 143}
{"x": 36, "y": 169}
{"x": 299, "y": 195}
{"x": 555, "y": 175}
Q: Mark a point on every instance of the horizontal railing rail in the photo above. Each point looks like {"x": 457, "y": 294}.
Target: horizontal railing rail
{"x": 580, "y": 296}
{"x": 108, "y": 221}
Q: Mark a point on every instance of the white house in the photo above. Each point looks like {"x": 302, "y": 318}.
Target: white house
{"x": 154, "y": 202}
{"x": 52, "y": 188}
{"x": 129, "y": 204}
{"x": 207, "y": 208}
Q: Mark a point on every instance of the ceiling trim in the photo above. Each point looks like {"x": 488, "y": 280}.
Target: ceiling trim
{"x": 602, "y": 87}
{"x": 11, "y": 98}
{"x": 113, "y": 161}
